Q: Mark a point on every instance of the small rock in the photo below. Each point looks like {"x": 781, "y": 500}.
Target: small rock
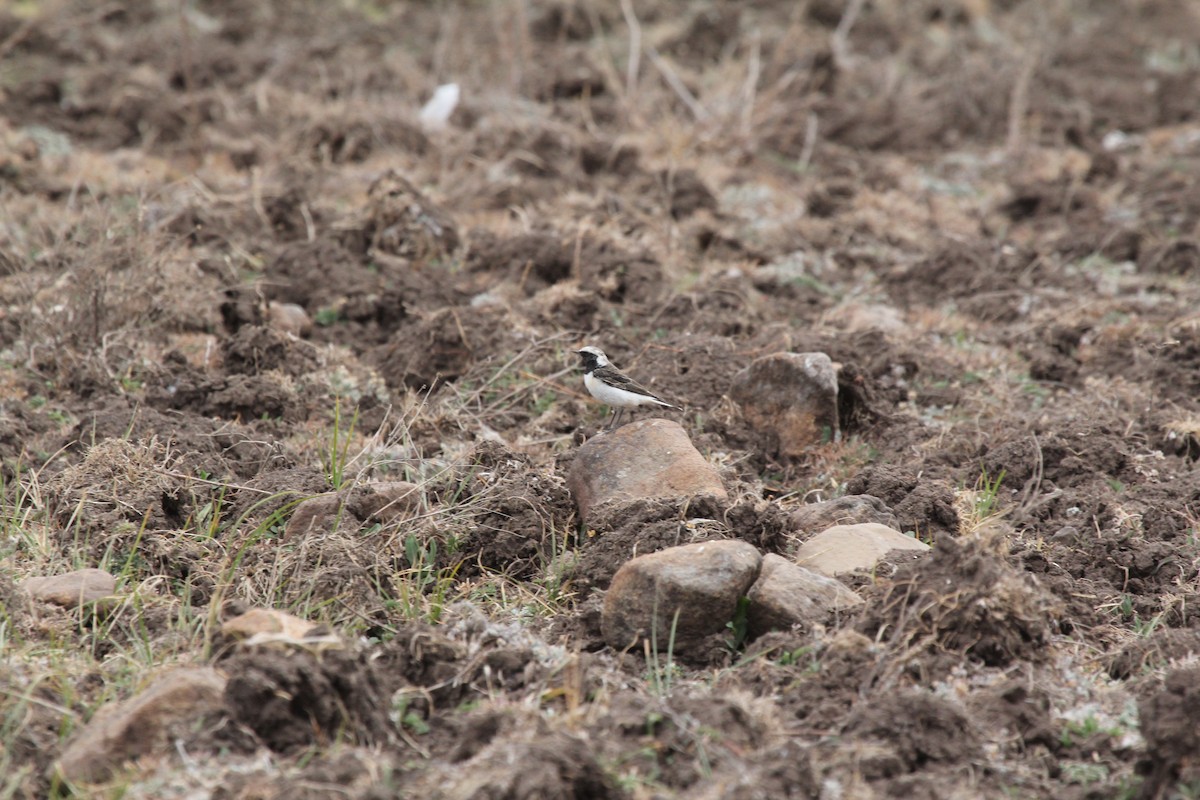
{"x": 289, "y": 318}
{"x": 644, "y": 459}
{"x": 854, "y": 317}
{"x": 143, "y": 725}
{"x": 845, "y": 548}
{"x": 318, "y": 514}
{"x": 267, "y": 622}
{"x": 388, "y": 500}
{"x": 791, "y": 397}
{"x": 849, "y": 510}
{"x": 72, "y": 589}
{"x": 702, "y": 582}
{"x": 786, "y": 594}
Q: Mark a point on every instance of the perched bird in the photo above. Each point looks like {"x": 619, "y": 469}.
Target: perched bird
{"x": 612, "y": 387}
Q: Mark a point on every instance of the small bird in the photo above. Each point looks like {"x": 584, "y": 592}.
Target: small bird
{"x": 612, "y": 387}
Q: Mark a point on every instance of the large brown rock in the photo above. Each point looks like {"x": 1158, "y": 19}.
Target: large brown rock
{"x": 845, "y": 548}
{"x": 142, "y": 725}
{"x": 71, "y": 589}
{"x": 701, "y": 582}
{"x": 786, "y": 594}
{"x": 644, "y": 459}
{"x": 791, "y": 398}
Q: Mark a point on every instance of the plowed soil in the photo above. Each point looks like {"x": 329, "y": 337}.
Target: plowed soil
{"x": 238, "y": 271}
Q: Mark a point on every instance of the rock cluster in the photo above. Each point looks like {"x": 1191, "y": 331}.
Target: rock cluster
{"x": 680, "y": 595}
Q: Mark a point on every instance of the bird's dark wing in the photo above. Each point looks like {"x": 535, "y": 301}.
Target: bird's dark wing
{"x": 614, "y": 377}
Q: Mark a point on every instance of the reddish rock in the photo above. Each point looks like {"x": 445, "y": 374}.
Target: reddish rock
{"x": 644, "y": 459}
{"x": 791, "y": 398}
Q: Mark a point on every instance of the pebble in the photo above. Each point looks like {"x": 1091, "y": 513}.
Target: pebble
{"x": 72, "y": 589}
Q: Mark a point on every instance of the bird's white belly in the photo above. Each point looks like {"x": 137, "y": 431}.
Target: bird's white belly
{"x": 612, "y": 396}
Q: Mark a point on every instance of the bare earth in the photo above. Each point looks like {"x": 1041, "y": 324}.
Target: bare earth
{"x": 986, "y": 212}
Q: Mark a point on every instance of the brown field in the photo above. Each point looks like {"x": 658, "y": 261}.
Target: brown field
{"x": 986, "y": 212}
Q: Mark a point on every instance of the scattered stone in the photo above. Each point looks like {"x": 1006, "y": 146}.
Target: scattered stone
{"x": 845, "y": 548}
{"x": 786, "y": 594}
{"x": 848, "y": 510}
{"x": 702, "y": 582}
{"x": 388, "y": 500}
{"x": 854, "y": 317}
{"x": 320, "y": 514}
{"x": 289, "y": 318}
{"x": 644, "y": 459}
{"x": 145, "y": 724}
{"x": 267, "y": 623}
{"x": 790, "y": 397}
{"x": 72, "y": 589}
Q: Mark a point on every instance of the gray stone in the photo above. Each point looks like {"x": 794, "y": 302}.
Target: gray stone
{"x": 701, "y": 582}
{"x": 787, "y": 594}
{"x": 845, "y": 548}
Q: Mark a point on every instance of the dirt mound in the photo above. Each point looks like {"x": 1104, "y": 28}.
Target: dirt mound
{"x": 964, "y": 598}
{"x": 514, "y": 519}
{"x": 550, "y": 765}
{"x": 921, "y": 503}
{"x": 918, "y": 726}
{"x": 294, "y": 699}
{"x": 1172, "y": 742}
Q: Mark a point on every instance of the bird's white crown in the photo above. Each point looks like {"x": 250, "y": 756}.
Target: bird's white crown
{"x": 601, "y": 359}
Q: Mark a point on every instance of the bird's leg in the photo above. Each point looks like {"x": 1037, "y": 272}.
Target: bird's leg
{"x": 617, "y": 414}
